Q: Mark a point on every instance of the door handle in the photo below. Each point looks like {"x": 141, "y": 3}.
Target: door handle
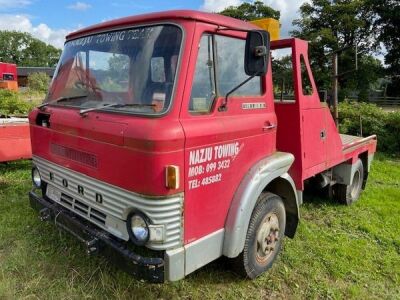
{"x": 269, "y": 126}
{"x": 323, "y": 134}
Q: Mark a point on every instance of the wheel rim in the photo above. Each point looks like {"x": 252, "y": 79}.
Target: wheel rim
{"x": 267, "y": 237}
{"x": 355, "y": 185}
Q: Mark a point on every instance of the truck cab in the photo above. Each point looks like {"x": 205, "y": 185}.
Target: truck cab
{"x": 161, "y": 132}
{"x": 8, "y": 76}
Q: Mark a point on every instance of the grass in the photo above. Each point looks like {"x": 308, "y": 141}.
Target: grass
{"x": 338, "y": 252}
{"x": 32, "y": 96}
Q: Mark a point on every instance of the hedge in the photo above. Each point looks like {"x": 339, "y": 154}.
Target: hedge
{"x": 12, "y": 104}
{"x": 386, "y": 125}
{"x": 38, "y": 82}
{"x": 374, "y": 120}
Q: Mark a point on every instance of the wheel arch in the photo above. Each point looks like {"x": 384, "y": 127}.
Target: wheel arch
{"x": 344, "y": 172}
{"x": 366, "y": 160}
{"x": 284, "y": 187}
{"x": 269, "y": 173}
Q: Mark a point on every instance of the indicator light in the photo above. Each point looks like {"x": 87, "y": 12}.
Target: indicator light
{"x": 172, "y": 177}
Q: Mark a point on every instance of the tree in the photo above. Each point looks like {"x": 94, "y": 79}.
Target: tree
{"x": 283, "y": 75}
{"x": 39, "y": 82}
{"x": 251, "y": 11}
{"x": 370, "y": 69}
{"x": 24, "y": 50}
{"x": 385, "y": 16}
{"x": 331, "y": 25}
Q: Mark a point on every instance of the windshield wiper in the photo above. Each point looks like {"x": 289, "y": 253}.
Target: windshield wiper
{"x": 61, "y": 99}
{"x": 135, "y": 105}
{"x": 84, "y": 111}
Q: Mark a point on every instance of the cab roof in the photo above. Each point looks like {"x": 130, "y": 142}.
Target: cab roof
{"x": 170, "y": 15}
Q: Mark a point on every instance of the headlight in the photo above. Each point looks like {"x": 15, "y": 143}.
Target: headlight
{"x": 138, "y": 228}
{"x": 36, "y": 179}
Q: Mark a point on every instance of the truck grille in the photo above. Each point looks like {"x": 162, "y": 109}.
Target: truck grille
{"x": 75, "y": 155}
{"x": 83, "y": 209}
{"x": 115, "y": 203}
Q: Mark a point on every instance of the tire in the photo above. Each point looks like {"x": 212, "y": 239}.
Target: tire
{"x": 266, "y": 231}
{"x": 348, "y": 194}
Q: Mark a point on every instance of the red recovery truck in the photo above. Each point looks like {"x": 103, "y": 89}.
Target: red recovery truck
{"x": 161, "y": 132}
{"x": 8, "y": 76}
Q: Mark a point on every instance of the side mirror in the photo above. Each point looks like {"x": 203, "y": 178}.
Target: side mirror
{"x": 257, "y": 53}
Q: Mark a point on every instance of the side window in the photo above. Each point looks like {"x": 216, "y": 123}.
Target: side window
{"x": 203, "y": 90}
{"x": 282, "y": 75}
{"x": 305, "y": 78}
{"x": 230, "y": 68}
{"x": 7, "y": 76}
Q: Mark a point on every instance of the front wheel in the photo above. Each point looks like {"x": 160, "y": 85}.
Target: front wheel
{"x": 264, "y": 236}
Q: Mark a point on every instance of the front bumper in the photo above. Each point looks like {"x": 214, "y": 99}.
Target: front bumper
{"x": 96, "y": 240}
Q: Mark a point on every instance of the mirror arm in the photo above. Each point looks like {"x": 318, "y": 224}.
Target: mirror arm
{"x": 224, "y": 105}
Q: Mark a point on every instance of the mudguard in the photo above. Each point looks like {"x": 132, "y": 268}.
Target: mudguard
{"x": 245, "y": 199}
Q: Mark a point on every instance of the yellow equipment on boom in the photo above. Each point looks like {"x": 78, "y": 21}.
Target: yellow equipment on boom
{"x": 269, "y": 24}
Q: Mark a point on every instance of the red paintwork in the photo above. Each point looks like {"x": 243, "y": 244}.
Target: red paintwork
{"x": 175, "y": 16}
{"x": 6, "y": 68}
{"x": 6, "y": 82}
{"x": 14, "y": 137}
{"x": 132, "y": 152}
{"x": 15, "y": 142}
{"x": 303, "y": 122}
{"x": 206, "y": 208}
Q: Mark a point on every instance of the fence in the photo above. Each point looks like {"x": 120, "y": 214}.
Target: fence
{"x": 382, "y": 101}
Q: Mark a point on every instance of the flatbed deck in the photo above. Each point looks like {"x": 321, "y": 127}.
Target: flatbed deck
{"x": 351, "y": 141}
{"x": 15, "y": 142}
{"x": 13, "y": 120}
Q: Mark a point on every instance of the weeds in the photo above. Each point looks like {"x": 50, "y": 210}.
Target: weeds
{"x": 338, "y": 252}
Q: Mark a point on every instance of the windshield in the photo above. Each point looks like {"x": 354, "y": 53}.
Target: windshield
{"x": 131, "y": 70}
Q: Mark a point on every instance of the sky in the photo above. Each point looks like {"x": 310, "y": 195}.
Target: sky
{"x": 50, "y": 21}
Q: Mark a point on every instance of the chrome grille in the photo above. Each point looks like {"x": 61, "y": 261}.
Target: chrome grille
{"x": 83, "y": 209}
{"x": 116, "y": 202}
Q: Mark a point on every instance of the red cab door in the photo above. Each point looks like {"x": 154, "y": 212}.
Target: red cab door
{"x": 220, "y": 145}
{"x": 313, "y": 117}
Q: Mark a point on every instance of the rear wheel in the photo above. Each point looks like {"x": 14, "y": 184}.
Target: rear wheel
{"x": 348, "y": 194}
{"x": 264, "y": 236}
